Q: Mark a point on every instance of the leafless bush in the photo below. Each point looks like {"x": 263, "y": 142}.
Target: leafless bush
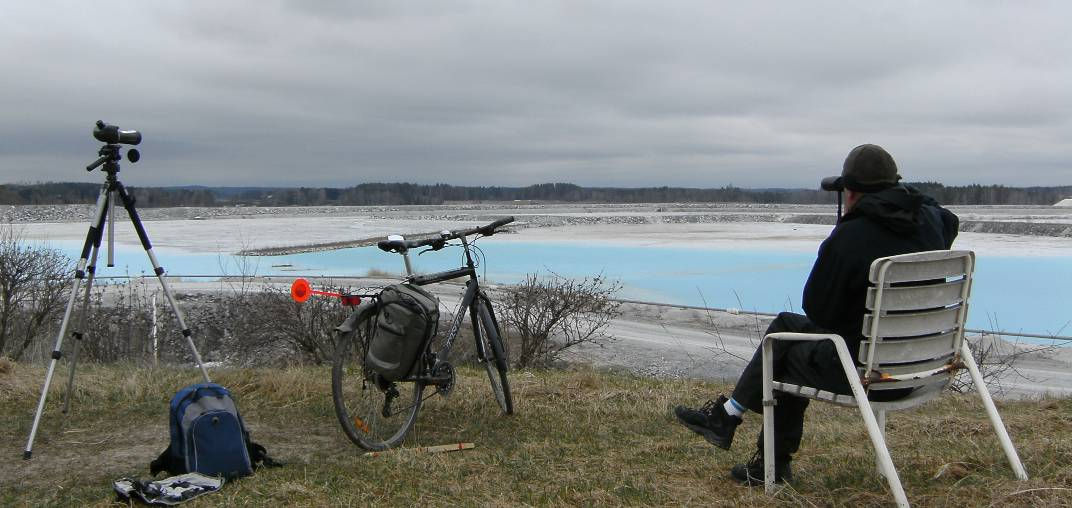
{"x": 992, "y": 363}
{"x": 552, "y": 314}
{"x": 241, "y": 323}
{"x": 252, "y": 326}
{"x": 272, "y": 319}
{"x": 32, "y": 283}
{"x": 997, "y": 360}
{"x": 117, "y": 323}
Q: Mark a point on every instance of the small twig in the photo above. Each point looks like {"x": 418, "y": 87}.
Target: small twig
{"x": 425, "y": 449}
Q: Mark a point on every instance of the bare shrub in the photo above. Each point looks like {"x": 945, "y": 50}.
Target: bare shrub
{"x": 117, "y": 322}
{"x": 32, "y": 284}
{"x": 243, "y": 325}
{"x": 270, "y": 318}
{"x": 992, "y": 362}
{"x": 546, "y": 316}
{"x": 997, "y": 361}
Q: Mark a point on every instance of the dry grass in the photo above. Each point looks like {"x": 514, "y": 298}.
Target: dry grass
{"x": 579, "y": 437}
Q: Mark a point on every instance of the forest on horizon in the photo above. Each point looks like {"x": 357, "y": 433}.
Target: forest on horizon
{"x": 374, "y": 194}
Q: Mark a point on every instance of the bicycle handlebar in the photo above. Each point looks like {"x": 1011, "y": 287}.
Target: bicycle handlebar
{"x": 439, "y": 243}
{"x": 487, "y": 230}
{"x": 404, "y": 245}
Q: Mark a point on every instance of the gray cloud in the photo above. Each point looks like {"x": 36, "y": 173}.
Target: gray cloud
{"x": 515, "y": 93}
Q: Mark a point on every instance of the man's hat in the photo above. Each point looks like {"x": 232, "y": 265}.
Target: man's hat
{"x": 869, "y": 168}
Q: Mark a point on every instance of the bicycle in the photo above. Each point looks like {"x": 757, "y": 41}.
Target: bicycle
{"x": 377, "y": 414}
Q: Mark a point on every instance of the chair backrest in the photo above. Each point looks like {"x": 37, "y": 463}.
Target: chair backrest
{"x": 914, "y": 323}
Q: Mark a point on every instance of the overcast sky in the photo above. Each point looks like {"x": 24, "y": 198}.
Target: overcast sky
{"x": 607, "y": 93}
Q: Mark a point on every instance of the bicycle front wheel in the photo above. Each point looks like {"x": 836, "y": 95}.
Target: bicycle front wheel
{"x": 495, "y": 361}
{"x": 375, "y": 414}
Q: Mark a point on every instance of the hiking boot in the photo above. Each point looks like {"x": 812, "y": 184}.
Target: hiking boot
{"x": 751, "y": 474}
{"x": 710, "y": 421}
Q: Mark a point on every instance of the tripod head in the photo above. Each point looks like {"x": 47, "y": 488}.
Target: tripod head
{"x": 109, "y": 153}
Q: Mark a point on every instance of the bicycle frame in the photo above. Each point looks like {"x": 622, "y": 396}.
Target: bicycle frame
{"x": 472, "y": 292}
{"x": 365, "y": 401}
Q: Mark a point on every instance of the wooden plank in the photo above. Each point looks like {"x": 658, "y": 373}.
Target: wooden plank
{"x": 425, "y": 449}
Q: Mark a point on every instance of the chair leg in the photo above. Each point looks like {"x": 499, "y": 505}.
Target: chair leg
{"x": 880, "y": 419}
{"x": 992, "y": 412}
{"x": 768, "y": 417}
{"x": 882, "y": 453}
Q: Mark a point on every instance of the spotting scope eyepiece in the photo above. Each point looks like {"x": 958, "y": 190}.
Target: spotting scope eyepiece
{"x": 832, "y": 183}
{"x": 112, "y": 135}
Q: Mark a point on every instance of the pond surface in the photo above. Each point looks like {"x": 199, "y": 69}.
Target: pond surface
{"x": 1015, "y": 294}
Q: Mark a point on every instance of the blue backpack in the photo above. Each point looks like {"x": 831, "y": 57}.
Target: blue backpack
{"x": 208, "y": 436}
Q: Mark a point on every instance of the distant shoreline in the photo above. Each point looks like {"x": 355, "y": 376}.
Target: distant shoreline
{"x": 1030, "y": 220}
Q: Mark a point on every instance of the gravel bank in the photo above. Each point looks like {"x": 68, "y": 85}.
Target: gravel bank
{"x": 1017, "y": 220}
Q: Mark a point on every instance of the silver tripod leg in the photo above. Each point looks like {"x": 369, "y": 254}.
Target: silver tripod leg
{"x": 111, "y": 228}
{"x": 93, "y": 237}
{"x": 178, "y": 313}
{"x": 79, "y": 273}
{"x": 128, "y": 203}
{"x": 80, "y": 329}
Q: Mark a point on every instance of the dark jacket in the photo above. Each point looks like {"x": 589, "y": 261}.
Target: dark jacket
{"x": 898, "y": 220}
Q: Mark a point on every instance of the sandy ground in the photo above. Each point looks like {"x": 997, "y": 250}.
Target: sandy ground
{"x": 655, "y": 340}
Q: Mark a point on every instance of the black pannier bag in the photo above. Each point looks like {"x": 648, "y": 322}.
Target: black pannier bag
{"x": 405, "y": 321}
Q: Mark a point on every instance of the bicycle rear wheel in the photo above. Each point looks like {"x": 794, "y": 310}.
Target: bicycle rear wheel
{"x": 374, "y": 414}
{"x": 495, "y": 361}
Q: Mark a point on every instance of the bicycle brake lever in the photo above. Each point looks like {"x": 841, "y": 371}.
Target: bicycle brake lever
{"x": 439, "y": 244}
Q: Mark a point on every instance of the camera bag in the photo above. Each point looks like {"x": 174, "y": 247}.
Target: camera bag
{"x": 406, "y": 319}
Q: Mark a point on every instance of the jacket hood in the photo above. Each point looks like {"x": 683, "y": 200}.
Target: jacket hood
{"x": 896, "y": 208}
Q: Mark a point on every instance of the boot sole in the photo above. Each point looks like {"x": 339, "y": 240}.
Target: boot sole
{"x": 708, "y": 435}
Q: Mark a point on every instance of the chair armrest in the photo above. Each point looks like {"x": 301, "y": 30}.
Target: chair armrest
{"x": 805, "y": 336}
{"x": 839, "y": 346}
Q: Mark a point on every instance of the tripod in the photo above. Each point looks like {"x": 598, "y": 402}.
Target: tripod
{"x": 111, "y": 191}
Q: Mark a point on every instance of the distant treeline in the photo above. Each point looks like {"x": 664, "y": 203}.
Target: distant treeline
{"x": 415, "y": 194}
{"x": 66, "y": 193}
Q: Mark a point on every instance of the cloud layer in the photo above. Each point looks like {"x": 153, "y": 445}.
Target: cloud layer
{"x": 513, "y": 93}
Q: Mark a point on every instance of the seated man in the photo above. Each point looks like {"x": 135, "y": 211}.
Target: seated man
{"x": 882, "y": 218}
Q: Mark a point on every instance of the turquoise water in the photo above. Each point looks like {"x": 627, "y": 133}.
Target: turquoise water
{"x": 1015, "y": 294}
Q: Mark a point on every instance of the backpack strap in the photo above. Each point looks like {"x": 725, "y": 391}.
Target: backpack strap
{"x": 165, "y": 462}
{"x": 258, "y": 455}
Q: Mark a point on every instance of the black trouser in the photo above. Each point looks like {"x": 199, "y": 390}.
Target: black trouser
{"x": 811, "y": 363}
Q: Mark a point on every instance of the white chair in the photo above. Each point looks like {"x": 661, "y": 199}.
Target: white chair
{"x": 913, "y": 338}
